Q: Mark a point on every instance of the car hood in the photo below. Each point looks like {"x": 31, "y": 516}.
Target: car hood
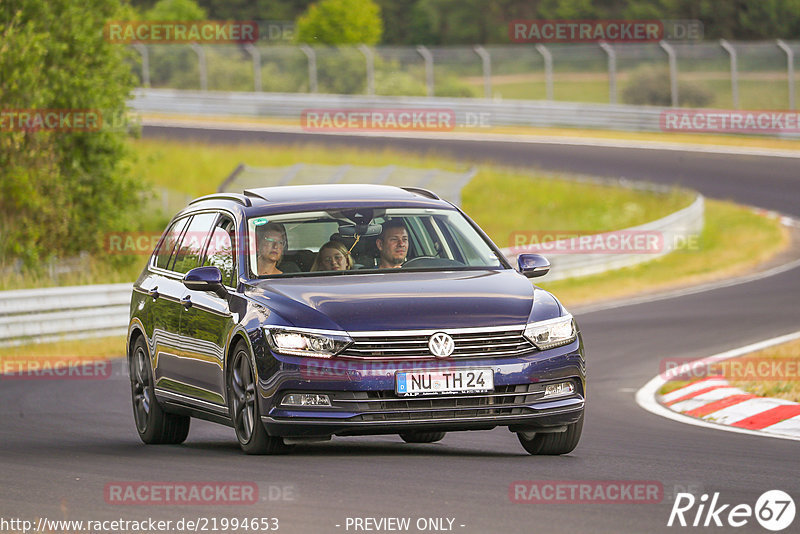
{"x": 399, "y": 301}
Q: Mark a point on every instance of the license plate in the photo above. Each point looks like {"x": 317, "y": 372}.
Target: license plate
{"x": 409, "y": 383}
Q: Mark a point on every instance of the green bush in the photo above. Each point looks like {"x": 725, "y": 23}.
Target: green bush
{"x": 650, "y": 86}
{"x": 334, "y": 22}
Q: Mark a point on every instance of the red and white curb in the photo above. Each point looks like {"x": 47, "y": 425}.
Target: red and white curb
{"x": 713, "y": 399}
{"x": 713, "y": 403}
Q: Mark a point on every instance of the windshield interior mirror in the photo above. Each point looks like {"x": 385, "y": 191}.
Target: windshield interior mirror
{"x": 351, "y": 230}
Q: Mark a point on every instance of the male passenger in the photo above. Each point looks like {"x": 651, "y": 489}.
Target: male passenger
{"x": 392, "y": 244}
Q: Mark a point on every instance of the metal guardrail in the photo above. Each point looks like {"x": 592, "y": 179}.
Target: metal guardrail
{"x": 494, "y": 113}
{"x": 467, "y": 111}
{"x": 75, "y": 312}
{"x": 673, "y": 230}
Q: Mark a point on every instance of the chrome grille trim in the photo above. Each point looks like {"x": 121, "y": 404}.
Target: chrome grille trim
{"x": 469, "y": 343}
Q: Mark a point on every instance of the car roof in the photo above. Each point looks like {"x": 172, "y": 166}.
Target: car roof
{"x": 314, "y": 197}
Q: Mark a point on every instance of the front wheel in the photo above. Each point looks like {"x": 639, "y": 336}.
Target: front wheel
{"x": 421, "y": 437}
{"x": 153, "y": 424}
{"x": 553, "y": 443}
{"x": 243, "y": 402}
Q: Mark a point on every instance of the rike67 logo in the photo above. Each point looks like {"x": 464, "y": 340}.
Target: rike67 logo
{"x": 774, "y": 510}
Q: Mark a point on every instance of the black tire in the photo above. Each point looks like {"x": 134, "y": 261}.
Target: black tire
{"x": 422, "y": 437}
{"x": 154, "y": 425}
{"x": 554, "y": 443}
{"x": 243, "y": 405}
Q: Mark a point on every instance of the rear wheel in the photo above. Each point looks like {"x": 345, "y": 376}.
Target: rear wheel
{"x": 421, "y": 437}
{"x": 153, "y": 424}
{"x": 553, "y": 443}
{"x": 243, "y": 402}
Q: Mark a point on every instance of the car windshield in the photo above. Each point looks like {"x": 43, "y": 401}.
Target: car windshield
{"x": 325, "y": 243}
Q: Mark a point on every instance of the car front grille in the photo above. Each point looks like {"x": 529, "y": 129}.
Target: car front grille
{"x": 386, "y": 406}
{"x": 496, "y": 343}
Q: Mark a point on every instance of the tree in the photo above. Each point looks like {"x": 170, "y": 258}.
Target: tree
{"x": 333, "y": 22}
{"x": 176, "y": 10}
{"x": 61, "y": 192}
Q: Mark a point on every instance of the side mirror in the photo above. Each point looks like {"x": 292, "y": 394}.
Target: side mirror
{"x": 533, "y": 265}
{"x": 205, "y": 279}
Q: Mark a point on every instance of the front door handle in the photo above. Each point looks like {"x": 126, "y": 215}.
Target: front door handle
{"x": 187, "y": 302}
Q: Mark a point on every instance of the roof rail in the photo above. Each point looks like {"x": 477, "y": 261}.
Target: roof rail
{"x": 236, "y": 197}
{"x": 423, "y": 192}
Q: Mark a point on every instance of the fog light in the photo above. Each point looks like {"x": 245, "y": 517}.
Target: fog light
{"x": 305, "y": 399}
{"x": 564, "y": 388}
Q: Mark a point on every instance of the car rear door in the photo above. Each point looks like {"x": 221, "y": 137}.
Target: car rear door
{"x": 206, "y": 318}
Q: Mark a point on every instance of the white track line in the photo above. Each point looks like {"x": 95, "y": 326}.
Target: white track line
{"x": 646, "y": 396}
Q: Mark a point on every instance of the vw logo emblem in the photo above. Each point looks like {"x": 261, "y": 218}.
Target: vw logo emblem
{"x": 441, "y": 345}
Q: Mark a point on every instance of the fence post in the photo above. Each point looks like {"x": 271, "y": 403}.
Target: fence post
{"x": 256, "y": 55}
{"x": 370, "y": 59}
{"x": 734, "y": 71}
{"x": 548, "y": 69}
{"x": 612, "y": 72}
{"x": 428, "y": 57}
{"x": 789, "y": 69}
{"x": 142, "y": 49}
{"x": 312, "y": 67}
{"x": 673, "y": 72}
{"x": 486, "y": 61}
{"x": 201, "y": 60}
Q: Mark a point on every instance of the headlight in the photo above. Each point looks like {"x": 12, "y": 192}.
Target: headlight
{"x": 551, "y": 333}
{"x": 300, "y": 342}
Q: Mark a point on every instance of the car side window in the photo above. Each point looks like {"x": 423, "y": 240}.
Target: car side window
{"x": 219, "y": 253}
{"x": 171, "y": 237}
{"x": 188, "y": 253}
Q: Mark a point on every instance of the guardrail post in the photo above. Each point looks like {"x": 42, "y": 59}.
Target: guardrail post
{"x": 369, "y": 56}
{"x": 734, "y": 71}
{"x": 201, "y": 61}
{"x": 673, "y": 72}
{"x": 312, "y": 67}
{"x": 548, "y": 69}
{"x": 612, "y": 72}
{"x": 486, "y": 62}
{"x": 256, "y": 55}
{"x": 789, "y": 69}
{"x": 428, "y": 57}
{"x": 142, "y": 49}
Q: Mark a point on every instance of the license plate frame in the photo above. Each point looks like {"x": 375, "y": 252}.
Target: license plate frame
{"x": 405, "y": 384}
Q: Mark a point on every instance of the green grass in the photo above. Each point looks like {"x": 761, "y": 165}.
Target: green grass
{"x": 755, "y": 92}
{"x": 733, "y": 240}
{"x": 520, "y": 202}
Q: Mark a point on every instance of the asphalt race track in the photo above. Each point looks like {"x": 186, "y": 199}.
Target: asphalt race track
{"x": 63, "y": 441}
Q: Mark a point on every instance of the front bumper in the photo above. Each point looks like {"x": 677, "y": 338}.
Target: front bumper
{"x": 363, "y": 400}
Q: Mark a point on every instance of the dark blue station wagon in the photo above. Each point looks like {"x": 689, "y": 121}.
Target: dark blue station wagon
{"x": 297, "y": 313}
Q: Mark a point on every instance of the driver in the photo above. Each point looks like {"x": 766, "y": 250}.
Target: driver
{"x": 392, "y": 244}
